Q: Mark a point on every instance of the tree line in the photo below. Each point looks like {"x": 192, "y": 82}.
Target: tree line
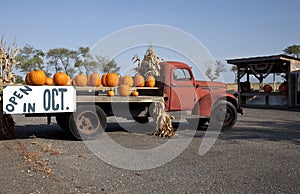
{"x": 63, "y": 59}
{"x": 80, "y": 61}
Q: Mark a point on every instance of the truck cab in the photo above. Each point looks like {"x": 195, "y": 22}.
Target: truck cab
{"x": 196, "y": 101}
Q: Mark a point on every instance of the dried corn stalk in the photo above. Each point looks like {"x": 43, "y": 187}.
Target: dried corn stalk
{"x": 163, "y": 121}
{"x": 150, "y": 66}
{"x": 150, "y": 63}
{"x": 7, "y": 64}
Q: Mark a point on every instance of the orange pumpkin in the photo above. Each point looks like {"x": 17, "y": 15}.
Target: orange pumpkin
{"x": 124, "y": 90}
{"x": 127, "y": 80}
{"x": 69, "y": 82}
{"x": 139, "y": 81}
{"x": 112, "y": 79}
{"x": 94, "y": 80}
{"x": 80, "y": 80}
{"x": 283, "y": 88}
{"x": 103, "y": 80}
{"x": 150, "y": 81}
{"x": 60, "y": 79}
{"x": 27, "y": 79}
{"x": 49, "y": 81}
{"x": 134, "y": 93}
{"x": 110, "y": 93}
{"x": 267, "y": 88}
{"x": 37, "y": 77}
{"x": 73, "y": 82}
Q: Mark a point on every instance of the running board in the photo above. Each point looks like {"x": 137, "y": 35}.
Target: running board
{"x": 185, "y": 115}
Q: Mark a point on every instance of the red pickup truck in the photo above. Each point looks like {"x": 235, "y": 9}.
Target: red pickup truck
{"x": 83, "y": 111}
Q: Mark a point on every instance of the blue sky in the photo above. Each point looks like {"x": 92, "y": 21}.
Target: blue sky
{"x": 228, "y": 29}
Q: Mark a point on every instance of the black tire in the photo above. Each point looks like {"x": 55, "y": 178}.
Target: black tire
{"x": 87, "y": 122}
{"x": 62, "y": 120}
{"x": 224, "y": 115}
{"x": 196, "y": 123}
{"x": 141, "y": 120}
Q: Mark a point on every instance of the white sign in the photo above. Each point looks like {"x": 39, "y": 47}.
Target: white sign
{"x": 38, "y": 99}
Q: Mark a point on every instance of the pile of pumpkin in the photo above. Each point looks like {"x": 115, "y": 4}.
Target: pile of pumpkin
{"x": 283, "y": 88}
{"x": 38, "y": 78}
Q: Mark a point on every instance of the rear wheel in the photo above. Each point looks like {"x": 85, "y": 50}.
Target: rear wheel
{"x": 7, "y": 124}
{"x": 87, "y": 122}
{"x": 224, "y": 115}
{"x": 141, "y": 120}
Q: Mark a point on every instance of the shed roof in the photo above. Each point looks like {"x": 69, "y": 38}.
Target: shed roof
{"x": 277, "y": 59}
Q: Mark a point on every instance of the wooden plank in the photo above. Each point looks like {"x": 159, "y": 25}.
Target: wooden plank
{"x": 104, "y": 98}
{"x": 262, "y": 94}
{"x": 91, "y": 89}
{"x": 2, "y": 85}
{"x": 101, "y": 88}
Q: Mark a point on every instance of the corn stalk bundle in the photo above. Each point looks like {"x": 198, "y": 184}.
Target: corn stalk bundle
{"x": 163, "y": 121}
{"x": 150, "y": 63}
{"x": 7, "y": 64}
{"x": 150, "y": 66}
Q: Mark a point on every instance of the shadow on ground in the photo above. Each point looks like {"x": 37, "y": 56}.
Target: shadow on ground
{"x": 256, "y": 124}
{"x": 264, "y": 130}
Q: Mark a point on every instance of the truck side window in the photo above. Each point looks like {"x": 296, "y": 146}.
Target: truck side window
{"x": 181, "y": 75}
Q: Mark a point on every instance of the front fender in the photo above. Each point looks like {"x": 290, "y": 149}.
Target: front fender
{"x": 204, "y": 105}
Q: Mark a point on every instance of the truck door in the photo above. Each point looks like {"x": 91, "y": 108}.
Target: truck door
{"x": 182, "y": 95}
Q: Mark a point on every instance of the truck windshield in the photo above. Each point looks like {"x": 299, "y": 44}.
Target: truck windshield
{"x": 181, "y": 75}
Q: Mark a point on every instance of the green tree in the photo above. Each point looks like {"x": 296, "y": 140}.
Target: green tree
{"x": 19, "y": 79}
{"x": 85, "y": 62}
{"x": 234, "y": 70}
{"x": 215, "y": 74}
{"x": 63, "y": 59}
{"x": 29, "y": 59}
{"x": 293, "y": 50}
{"x": 53, "y": 60}
{"x": 106, "y": 65}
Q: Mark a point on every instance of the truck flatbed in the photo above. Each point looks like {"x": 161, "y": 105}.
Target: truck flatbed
{"x": 105, "y": 98}
{"x": 98, "y": 94}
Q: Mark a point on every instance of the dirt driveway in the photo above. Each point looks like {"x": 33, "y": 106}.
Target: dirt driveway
{"x": 261, "y": 154}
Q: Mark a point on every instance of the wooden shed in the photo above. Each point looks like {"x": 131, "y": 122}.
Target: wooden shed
{"x": 286, "y": 93}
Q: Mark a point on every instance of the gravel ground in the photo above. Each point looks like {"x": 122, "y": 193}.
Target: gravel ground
{"x": 259, "y": 155}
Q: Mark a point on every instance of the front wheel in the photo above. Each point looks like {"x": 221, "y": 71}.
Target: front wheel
{"x": 87, "y": 122}
{"x": 224, "y": 115}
